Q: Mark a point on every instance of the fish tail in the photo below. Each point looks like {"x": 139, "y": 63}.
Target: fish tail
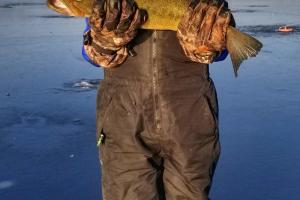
{"x": 241, "y": 46}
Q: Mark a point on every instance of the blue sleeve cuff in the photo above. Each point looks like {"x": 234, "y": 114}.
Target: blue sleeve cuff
{"x": 83, "y": 52}
{"x": 222, "y": 56}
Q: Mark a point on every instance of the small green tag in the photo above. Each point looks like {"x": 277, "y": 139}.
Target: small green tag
{"x": 100, "y": 140}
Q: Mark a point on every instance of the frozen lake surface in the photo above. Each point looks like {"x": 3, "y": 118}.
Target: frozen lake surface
{"x": 47, "y": 107}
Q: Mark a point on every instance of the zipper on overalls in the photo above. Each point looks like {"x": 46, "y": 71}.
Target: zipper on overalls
{"x": 155, "y": 79}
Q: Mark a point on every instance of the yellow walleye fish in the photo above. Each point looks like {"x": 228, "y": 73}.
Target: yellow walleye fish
{"x": 165, "y": 15}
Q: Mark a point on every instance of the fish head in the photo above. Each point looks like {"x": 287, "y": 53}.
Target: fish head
{"x": 78, "y": 8}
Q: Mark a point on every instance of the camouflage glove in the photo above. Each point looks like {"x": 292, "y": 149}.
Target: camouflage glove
{"x": 114, "y": 24}
{"x": 202, "y": 30}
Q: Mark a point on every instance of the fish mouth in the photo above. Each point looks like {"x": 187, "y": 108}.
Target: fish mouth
{"x": 60, "y": 7}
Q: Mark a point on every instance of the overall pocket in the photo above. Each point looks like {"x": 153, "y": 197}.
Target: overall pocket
{"x": 211, "y": 103}
{"x": 210, "y": 111}
{"x": 103, "y": 103}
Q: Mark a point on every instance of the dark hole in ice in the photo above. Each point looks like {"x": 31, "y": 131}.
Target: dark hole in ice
{"x": 244, "y": 11}
{"x": 267, "y": 51}
{"x": 5, "y": 6}
{"x": 10, "y": 118}
{"x": 258, "y": 6}
{"x": 54, "y": 16}
{"x": 11, "y": 5}
{"x": 14, "y": 116}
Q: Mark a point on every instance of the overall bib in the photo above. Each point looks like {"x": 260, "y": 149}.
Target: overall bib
{"x": 157, "y": 122}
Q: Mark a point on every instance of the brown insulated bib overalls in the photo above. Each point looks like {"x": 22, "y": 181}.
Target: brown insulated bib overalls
{"x": 157, "y": 117}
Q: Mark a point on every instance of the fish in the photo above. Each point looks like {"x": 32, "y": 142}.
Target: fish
{"x": 166, "y": 15}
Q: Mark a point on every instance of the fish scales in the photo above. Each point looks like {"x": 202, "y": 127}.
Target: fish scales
{"x": 163, "y": 14}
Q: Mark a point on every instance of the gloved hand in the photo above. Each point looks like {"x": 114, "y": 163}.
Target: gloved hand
{"x": 113, "y": 24}
{"x": 202, "y": 30}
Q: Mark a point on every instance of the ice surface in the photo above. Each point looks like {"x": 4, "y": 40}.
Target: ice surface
{"x": 47, "y": 107}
